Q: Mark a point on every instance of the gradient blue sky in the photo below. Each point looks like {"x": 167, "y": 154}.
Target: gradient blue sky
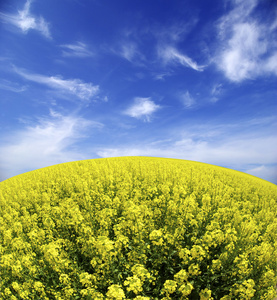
{"x": 192, "y": 79}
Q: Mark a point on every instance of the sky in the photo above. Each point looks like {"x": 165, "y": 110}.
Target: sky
{"x": 191, "y": 79}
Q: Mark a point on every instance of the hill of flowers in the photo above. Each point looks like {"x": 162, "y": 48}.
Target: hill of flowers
{"x": 137, "y": 228}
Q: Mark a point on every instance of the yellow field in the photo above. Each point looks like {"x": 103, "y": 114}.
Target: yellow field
{"x": 137, "y": 228}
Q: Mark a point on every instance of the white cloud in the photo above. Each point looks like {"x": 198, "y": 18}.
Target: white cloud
{"x": 161, "y": 76}
{"x": 79, "y": 50}
{"x": 174, "y": 32}
{"x": 187, "y": 100}
{"x": 238, "y": 146}
{"x": 240, "y": 12}
{"x": 271, "y": 64}
{"x": 26, "y": 21}
{"x": 248, "y": 48}
{"x": 12, "y": 86}
{"x": 82, "y": 90}
{"x": 129, "y": 50}
{"x": 216, "y": 92}
{"x": 266, "y": 172}
{"x": 142, "y": 108}
{"x": 171, "y": 55}
{"x": 50, "y": 141}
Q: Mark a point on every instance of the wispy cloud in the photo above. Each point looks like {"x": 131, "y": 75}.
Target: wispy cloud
{"x": 161, "y": 75}
{"x": 142, "y": 108}
{"x": 170, "y": 55}
{"x": 187, "y": 100}
{"x": 216, "y": 92}
{"x": 78, "y": 49}
{"x": 82, "y": 90}
{"x": 239, "y": 146}
{"x": 246, "y": 51}
{"x": 174, "y": 32}
{"x": 26, "y": 21}
{"x": 51, "y": 140}
{"x": 130, "y": 51}
{"x": 12, "y": 86}
{"x": 268, "y": 172}
{"x": 238, "y": 154}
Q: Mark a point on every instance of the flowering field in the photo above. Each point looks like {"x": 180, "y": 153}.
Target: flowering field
{"x": 137, "y": 228}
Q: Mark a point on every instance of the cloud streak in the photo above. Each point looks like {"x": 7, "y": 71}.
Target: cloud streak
{"x": 170, "y": 55}
{"x": 50, "y": 141}
{"x": 26, "y": 21}
{"x": 12, "y": 86}
{"x": 187, "y": 100}
{"x": 78, "y": 49}
{"x": 216, "y": 91}
{"x": 238, "y": 146}
{"x": 142, "y": 108}
{"x": 76, "y": 87}
{"x": 130, "y": 51}
{"x": 266, "y": 172}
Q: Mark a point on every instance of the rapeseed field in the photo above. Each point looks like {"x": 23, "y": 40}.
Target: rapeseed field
{"x": 137, "y": 228}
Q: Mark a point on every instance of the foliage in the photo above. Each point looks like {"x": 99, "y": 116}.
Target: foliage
{"x": 137, "y": 228}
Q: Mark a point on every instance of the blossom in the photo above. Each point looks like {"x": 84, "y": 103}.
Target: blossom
{"x": 115, "y": 292}
{"x": 137, "y": 228}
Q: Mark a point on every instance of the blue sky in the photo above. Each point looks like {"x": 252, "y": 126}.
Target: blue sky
{"x": 191, "y": 79}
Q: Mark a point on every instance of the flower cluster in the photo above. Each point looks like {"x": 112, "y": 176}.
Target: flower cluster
{"x": 137, "y": 228}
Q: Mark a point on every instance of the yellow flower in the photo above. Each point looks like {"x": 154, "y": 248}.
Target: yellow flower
{"x": 90, "y": 293}
{"x": 169, "y": 287}
{"x": 140, "y": 271}
{"x": 38, "y": 286}
{"x": 115, "y": 292}
{"x": 7, "y": 292}
{"x": 216, "y": 265}
{"x": 122, "y": 219}
{"x": 156, "y": 237}
{"x": 16, "y": 286}
{"x": 194, "y": 270}
{"x": 184, "y": 254}
{"x": 206, "y": 294}
{"x": 17, "y": 227}
{"x": 197, "y": 252}
{"x": 242, "y": 265}
{"x": 186, "y": 289}
{"x": 245, "y": 290}
{"x": 133, "y": 284}
{"x": 181, "y": 276}
{"x": 86, "y": 278}
{"x": 68, "y": 292}
{"x": 269, "y": 294}
{"x": 64, "y": 279}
